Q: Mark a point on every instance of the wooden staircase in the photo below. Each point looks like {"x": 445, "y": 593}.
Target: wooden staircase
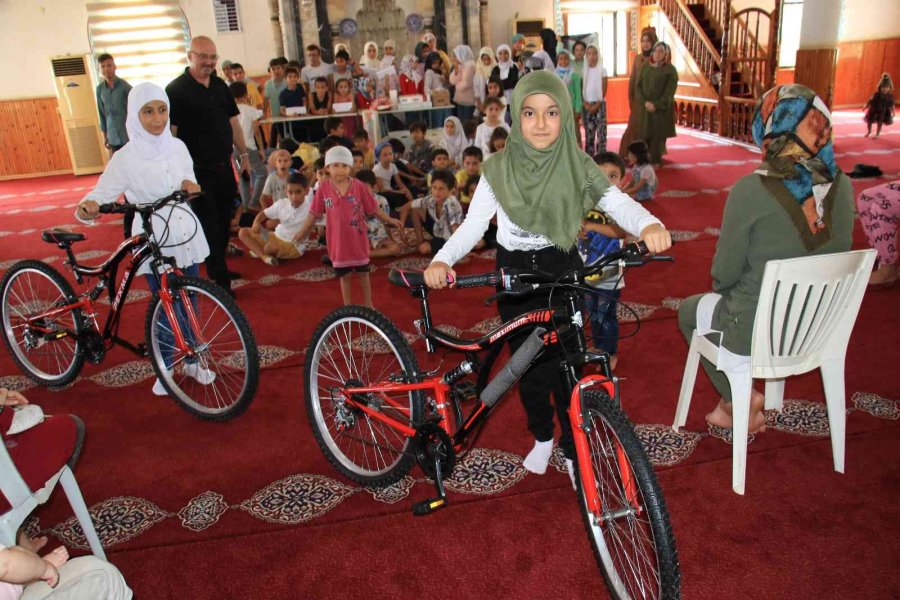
{"x": 736, "y": 51}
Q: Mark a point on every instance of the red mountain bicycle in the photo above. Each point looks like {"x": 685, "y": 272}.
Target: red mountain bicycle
{"x": 198, "y": 340}
{"x": 375, "y": 414}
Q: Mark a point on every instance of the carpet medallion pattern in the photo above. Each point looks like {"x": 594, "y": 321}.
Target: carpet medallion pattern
{"x": 297, "y": 499}
{"x": 875, "y": 405}
{"x": 203, "y": 511}
{"x": 116, "y": 520}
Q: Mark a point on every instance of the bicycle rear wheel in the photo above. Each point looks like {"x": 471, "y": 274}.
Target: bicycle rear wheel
{"x": 632, "y": 539}
{"x": 217, "y": 376}
{"x": 356, "y": 346}
{"x": 29, "y": 289}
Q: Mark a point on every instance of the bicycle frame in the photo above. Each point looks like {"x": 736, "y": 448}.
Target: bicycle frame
{"x": 440, "y": 388}
{"x": 139, "y": 248}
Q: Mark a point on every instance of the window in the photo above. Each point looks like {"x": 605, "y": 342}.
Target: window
{"x": 228, "y": 17}
{"x": 149, "y": 40}
{"x": 611, "y": 28}
{"x": 791, "y": 17}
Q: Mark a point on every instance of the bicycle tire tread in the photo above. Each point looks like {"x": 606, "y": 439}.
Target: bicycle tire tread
{"x": 57, "y": 278}
{"x": 393, "y": 334}
{"x": 667, "y": 555}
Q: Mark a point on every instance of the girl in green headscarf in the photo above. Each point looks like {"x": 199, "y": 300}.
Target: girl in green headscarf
{"x": 539, "y": 188}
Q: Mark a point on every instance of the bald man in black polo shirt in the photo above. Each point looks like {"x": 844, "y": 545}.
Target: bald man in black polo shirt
{"x": 204, "y": 116}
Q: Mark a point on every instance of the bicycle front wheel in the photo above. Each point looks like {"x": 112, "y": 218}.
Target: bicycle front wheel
{"x": 39, "y": 344}
{"x": 631, "y": 538}
{"x": 356, "y": 346}
{"x": 214, "y": 373}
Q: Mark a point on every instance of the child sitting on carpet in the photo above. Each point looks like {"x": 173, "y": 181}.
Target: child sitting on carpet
{"x": 276, "y": 182}
{"x": 441, "y": 213}
{"x": 345, "y": 202}
{"x": 472, "y": 157}
{"x": 383, "y": 244}
{"x": 539, "y": 188}
{"x": 643, "y": 181}
{"x": 284, "y": 218}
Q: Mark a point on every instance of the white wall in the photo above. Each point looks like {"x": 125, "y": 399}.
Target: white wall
{"x": 867, "y": 20}
{"x": 502, "y": 11}
{"x": 33, "y": 31}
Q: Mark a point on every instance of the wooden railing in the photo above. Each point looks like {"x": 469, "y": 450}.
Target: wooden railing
{"x": 697, "y": 113}
{"x": 705, "y": 55}
{"x": 737, "y": 118}
{"x": 717, "y": 11}
{"x": 750, "y": 51}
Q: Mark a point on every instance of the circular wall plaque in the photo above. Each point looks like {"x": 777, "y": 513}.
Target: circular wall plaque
{"x": 415, "y": 23}
{"x": 348, "y": 28}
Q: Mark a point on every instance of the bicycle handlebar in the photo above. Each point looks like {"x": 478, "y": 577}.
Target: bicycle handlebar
{"x": 521, "y": 282}
{"x": 176, "y": 197}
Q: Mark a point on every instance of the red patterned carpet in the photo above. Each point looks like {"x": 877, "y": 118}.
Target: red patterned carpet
{"x": 251, "y": 509}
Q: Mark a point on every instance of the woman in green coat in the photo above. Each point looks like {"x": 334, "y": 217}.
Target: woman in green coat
{"x": 797, "y": 203}
{"x": 655, "y": 101}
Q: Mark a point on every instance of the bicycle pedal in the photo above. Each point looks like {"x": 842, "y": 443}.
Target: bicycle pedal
{"x": 142, "y": 350}
{"x": 426, "y": 507}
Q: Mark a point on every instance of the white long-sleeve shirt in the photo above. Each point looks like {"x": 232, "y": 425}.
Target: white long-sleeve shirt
{"x": 628, "y": 214}
{"x": 144, "y": 182}
{"x": 483, "y": 135}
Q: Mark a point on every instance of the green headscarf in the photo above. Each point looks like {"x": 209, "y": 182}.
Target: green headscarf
{"x": 545, "y": 191}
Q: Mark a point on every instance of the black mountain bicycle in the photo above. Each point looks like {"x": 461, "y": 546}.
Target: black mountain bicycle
{"x": 198, "y": 340}
{"x": 375, "y": 414}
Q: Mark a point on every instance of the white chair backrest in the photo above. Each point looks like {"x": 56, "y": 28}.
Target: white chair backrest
{"x": 807, "y": 308}
{"x": 12, "y": 485}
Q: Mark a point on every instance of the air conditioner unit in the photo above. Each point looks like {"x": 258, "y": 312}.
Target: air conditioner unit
{"x": 530, "y": 28}
{"x": 78, "y": 109}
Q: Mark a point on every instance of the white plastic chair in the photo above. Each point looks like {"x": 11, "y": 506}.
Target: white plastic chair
{"x": 24, "y": 501}
{"x": 807, "y": 308}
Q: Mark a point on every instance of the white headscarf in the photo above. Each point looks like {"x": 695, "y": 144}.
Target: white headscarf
{"x": 430, "y": 39}
{"x": 455, "y": 144}
{"x": 506, "y": 65}
{"x": 409, "y": 66}
{"x": 592, "y": 79}
{"x": 365, "y": 61}
{"x": 464, "y": 54}
{"x": 480, "y": 68}
{"x": 144, "y": 143}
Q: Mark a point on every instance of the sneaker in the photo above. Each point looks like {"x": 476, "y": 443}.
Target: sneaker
{"x": 270, "y": 260}
{"x": 159, "y": 389}
{"x": 204, "y": 376}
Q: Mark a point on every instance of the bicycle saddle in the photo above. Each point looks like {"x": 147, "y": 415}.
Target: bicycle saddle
{"x": 61, "y": 236}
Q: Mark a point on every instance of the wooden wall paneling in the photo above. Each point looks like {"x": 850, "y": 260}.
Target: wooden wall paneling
{"x": 32, "y": 141}
{"x": 816, "y": 69}
{"x": 859, "y": 68}
{"x": 784, "y": 76}
{"x": 617, "y": 108}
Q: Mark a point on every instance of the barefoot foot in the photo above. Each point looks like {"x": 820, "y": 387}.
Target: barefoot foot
{"x": 57, "y": 557}
{"x": 721, "y": 416}
{"x": 32, "y": 544}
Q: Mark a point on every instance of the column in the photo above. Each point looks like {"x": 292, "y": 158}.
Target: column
{"x": 817, "y": 55}
{"x": 324, "y": 36}
{"x": 292, "y": 42}
{"x": 309, "y": 26}
{"x": 440, "y": 24}
{"x": 485, "y": 23}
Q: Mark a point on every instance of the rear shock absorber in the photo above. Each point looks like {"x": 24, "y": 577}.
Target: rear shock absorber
{"x": 465, "y": 368}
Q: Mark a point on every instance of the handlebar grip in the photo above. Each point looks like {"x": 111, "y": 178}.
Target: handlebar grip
{"x": 479, "y": 280}
{"x": 112, "y": 207}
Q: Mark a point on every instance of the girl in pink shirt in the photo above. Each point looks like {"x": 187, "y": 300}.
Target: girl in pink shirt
{"x": 346, "y": 203}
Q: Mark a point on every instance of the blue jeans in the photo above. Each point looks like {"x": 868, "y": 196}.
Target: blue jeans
{"x": 601, "y": 308}
{"x": 166, "y": 339}
{"x": 251, "y": 189}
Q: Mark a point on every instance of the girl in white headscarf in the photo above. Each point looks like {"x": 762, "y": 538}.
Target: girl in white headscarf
{"x": 411, "y": 80}
{"x": 463, "y": 77}
{"x": 484, "y": 65}
{"x": 454, "y": 140}
{"x": 369, "y": 57}
{"x": 152, "y": 165}
{"x": 506, "y": 71}
{"x": 389, "y": 47}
